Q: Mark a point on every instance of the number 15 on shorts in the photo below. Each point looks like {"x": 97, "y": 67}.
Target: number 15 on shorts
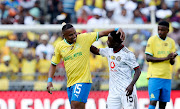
{"x": 77, "y": 88}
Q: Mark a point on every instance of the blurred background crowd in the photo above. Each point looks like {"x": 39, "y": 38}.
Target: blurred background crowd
{"x": 25, "y": 56}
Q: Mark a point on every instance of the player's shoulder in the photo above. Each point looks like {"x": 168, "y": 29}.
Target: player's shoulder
{"x": 60, "y": 43}
{"x": 153, "y": 37}
{"x": 170, "y": 39}
{"x": 86, "y": 34}
{"x": 127, "y": 52}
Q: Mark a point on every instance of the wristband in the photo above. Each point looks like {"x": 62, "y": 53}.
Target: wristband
{"x": 49, "y": 80}
{"x": 116, "y": 29}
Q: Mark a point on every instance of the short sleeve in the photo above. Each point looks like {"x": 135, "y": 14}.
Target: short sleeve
{"x": 131, "y": 61}
{"x": 91, "y": 37}
{"x": 149, "y": 47}
{"x": 173, "y": 46}
{"x": 56, "y": 56}
{"x": 103, "y": 52}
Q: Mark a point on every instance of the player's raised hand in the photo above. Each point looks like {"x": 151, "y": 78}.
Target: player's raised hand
{"x": 122, "y": 37}
{"x": 129, "y": 90}
{"x": 49, "y": 87}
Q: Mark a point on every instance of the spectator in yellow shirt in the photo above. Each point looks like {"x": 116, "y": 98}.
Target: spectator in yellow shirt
{"x": 7, "y": 69}
{"x": 28, "y": 67}
{"x": 43, "y": 67}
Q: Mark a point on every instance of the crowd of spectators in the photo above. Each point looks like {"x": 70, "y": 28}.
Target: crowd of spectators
{"x": 25, "y": 56}
{"x": 31, "y": 12}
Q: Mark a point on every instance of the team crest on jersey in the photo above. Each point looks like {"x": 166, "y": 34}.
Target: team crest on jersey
{"x": 113, "y": 57}
{"x": 118, "y": 58}
{"x": 165, "y": 44}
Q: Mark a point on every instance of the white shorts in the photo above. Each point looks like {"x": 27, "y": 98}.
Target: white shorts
{"x": 121, "y": 101}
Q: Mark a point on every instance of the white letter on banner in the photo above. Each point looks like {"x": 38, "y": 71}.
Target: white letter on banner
{"x": 11, "y": 104}
{"x": 177, "y": 103}
{"x": 39, "y": 105}
{"x": 57, "y": 103}
{"x": 25, "y": 103}
{"x": 169, "y": 105}
{"x": 143, "y": 102}
{"x": 90, "y": 104}
{"x": 67, "y": 104}
{"x": 3, "y": 104}
{"x": 102, "y": 103}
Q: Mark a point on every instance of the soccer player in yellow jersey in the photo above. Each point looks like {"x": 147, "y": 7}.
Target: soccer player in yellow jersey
{"x": 75, "y": 52}
{"x": 160, "y": 53}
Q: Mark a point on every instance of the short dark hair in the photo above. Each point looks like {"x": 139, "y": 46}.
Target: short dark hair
{"x": 116, "y": 37}
{"x": 66, "y": 26}
{"x": 164, "y": 23}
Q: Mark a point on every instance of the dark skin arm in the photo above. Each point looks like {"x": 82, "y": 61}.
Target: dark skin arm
{"x": 150, "y": 58}
{"x": 50, "y": 75}
{"x": 170, "y": 57}
{"x": 172, "y": 60}
{"x": 94, "y": 50}
{"x": 129, "y": 89}
{"x": 106, "y": 32}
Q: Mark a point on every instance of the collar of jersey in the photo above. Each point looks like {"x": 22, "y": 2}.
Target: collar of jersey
{"x": 67, "y": 42}
{"x": 118, "y": 49}
{"x": 162, "y": 39}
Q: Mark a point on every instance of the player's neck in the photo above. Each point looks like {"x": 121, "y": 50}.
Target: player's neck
{"x": 117, "y": 49}
{"x": 163, "y": 38}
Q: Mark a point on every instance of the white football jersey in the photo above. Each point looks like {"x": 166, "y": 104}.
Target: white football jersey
{"x": 121, "y": 65}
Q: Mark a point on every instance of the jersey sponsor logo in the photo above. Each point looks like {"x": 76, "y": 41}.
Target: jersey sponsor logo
{"x": 76, "y": 95}
{"x": 118, "y": 58}
{"x": 112, "y": 64}
{"x": 113, "y": 57}
{"x": 71, "y": 57}
{"x": 163, "y": 52}
{"x": 152, "y": 95}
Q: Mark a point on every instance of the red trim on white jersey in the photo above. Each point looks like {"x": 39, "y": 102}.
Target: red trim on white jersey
{"x": 136, "y": 67}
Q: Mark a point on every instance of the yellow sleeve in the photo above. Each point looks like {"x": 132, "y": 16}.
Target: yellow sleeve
{"x": 173, "y": 46}
{"x": 149, "y": 47}
{"x": 91, "y": 37}
{"x": 56, "y": 56}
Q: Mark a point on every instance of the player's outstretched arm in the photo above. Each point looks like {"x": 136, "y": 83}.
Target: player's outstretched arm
{"x": 50, "y": 76}
{"x": 129, "y": 89}
{"x": 94, "y": 50}
{"x": 106, "y": 32}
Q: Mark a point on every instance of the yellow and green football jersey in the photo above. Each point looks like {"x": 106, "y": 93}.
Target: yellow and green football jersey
{"x": 159, "y": 48}
{"x": 76, "y": 58}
